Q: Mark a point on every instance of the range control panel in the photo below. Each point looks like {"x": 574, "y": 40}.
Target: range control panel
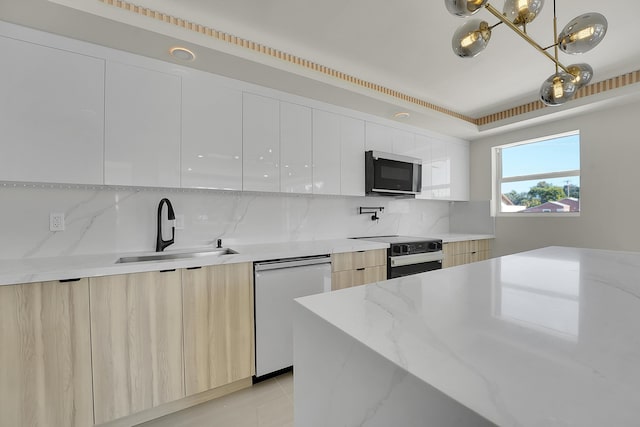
{"x": 415, "y": 247}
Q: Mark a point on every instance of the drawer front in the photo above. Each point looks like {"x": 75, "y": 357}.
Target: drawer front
{"x": 369, "y": 258}
{"x": 342, "y": 279}
{"x": 362, "y": 276}
{"x": 361, "y": 259}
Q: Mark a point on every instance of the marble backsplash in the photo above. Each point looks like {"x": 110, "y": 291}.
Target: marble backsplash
{"x": 109, "y": 220}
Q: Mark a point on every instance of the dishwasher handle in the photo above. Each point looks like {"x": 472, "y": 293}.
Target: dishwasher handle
{"x": 292, "y": 262}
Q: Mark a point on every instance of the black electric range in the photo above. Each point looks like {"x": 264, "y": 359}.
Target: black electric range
{"x": 410, "y": 255}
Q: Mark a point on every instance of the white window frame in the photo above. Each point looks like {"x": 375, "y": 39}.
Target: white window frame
{"x": 497, "y": 181}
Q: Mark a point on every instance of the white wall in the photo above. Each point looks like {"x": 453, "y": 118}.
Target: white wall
{"x": 610, "y": 181}
{"x": 109, "y": 220}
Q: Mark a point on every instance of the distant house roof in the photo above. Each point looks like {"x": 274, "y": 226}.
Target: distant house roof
{"x": 574, "y": 204}
{"x": 550, "y": 207}
{"x": 506, "y": 200}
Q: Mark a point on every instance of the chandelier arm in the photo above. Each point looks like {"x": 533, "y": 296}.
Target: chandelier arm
{"x": 495, "y": 25}
{"x": 528, "y": 39}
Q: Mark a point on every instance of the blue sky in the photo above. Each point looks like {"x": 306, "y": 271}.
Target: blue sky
{"x": 546, "y": 156}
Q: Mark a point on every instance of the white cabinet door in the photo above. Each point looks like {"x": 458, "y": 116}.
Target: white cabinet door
{"x": 326, "y": 152}
{"x": 389, "y": 140}
{"x": 379, "y": 138}
{"x": 423, "y": 151}
{"x": 459, "y": 155}
{"x": 211, "y": 133}
{"x": 352, "y": 156}
{"x": 51, "y": 115}
{"x": 295, "y": 148}
{"x": 403, "y": 142}
{"x": 260, "y": 143}
{"x": 142, "y": 127}
{"x": 440, "y": 171}
{"x": 449, "y": 170}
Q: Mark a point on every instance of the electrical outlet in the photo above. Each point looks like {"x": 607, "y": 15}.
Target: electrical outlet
{"x": 56, "y": 221}
{"x": 179, "y": 222}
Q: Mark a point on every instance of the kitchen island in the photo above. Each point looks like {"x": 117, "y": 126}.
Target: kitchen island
{"x": 549, "y": 337}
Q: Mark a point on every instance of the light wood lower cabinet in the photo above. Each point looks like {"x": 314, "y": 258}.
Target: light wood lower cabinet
{"x": 45, "y": 359}
{"x": 465, "y": 252}
{"x": 218, "y": 325}
{"x": 136, "y": 342}
{"x": 358, "y": 268}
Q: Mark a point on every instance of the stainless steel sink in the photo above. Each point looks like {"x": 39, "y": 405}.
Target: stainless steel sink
{"x": 171, "y": 256}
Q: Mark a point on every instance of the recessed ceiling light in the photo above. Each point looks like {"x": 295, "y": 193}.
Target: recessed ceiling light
{"x": 182, "y": 53}
{"x": 401, "y": 115}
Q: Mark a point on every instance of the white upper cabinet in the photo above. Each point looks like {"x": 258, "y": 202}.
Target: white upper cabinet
{"x": 379, "y": 138}
{"x": 295, "y": 148}
{"x": 403, "y": 143}
{"x": 423, "y": 151}
{"x": 389, "y": 140}
{"x": 326, "y": 153}
{"x": 51, "y": 115}
{"x": 352, "y": 156}
{"x": 440, "y": 171}
{"x": 260, "y": 143}
{"x": 211, "y": 133}
{"x": 142, "y": 127}
{"x": 459, "y": 169}
{"x": 449, "y": 170}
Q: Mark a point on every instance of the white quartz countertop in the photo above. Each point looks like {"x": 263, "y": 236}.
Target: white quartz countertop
{"x": 71, "y": 267}
{"x": 460, "y": 237}
{"x": 549, "y": 337}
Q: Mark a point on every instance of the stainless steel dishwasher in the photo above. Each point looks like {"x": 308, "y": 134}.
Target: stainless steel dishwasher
{"x": 277, "y": 283}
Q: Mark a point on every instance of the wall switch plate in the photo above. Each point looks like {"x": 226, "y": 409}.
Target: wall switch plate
{"x": 179, "y": 222}
{"x": 56, "y": 221}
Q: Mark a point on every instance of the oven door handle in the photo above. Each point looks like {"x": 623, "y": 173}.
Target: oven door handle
{"x": 398, "y": 261}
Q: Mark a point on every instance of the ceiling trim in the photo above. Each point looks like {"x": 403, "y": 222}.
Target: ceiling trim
{"x": 589, "y": 90}
{"x": 284, "y": 56}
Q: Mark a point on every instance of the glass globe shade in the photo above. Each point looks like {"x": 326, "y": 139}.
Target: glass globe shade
{"x": 583, "y": 33}
{"x": 464, "y": 7}
{"x": 471, "y": 38}
{"x": 522, "y": 12}
{"x": 557, "y": 89}
{"x": 582, "y": 74}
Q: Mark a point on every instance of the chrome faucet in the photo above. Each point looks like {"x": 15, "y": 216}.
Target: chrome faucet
{"x": 160, "y": 243}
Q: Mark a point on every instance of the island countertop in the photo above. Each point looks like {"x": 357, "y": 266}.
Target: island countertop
{"x": 549, "y": 337}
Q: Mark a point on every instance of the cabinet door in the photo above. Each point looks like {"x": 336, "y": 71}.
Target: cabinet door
{"x": 142, "y": 127}
{"x": 440, "y": 170}
{"x": 326, "y": 153}
{"x": 295, "y": 148}
{"x": 51, "y": 115}
{"x": 218, "y": 325}
{"x": 378, "y": 137}
{"x": 459, "y": 157}
{"x": 136, "y": 342}
{"x": 45, "y": 354}
{"x": 403, "y": 143}
{"x": 211, "y": 133}
{"x": 352, "y": 156}
{"x": 423, "y": 151}
{"x": 260, "y": 143}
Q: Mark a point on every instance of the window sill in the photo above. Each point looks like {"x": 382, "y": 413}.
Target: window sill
{"x": 538, "y": 215}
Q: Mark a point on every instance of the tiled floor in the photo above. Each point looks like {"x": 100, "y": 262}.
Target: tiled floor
{"x": 266, "y": 404}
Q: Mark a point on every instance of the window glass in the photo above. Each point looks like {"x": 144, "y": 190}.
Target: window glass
{"x": 541, "y": 157}
{"x": 542, "y": 176}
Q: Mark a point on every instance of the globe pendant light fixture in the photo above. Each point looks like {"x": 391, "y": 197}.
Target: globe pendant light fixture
{"x": 580, "y": 35}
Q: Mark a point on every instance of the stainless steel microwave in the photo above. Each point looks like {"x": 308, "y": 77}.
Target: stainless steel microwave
{"x": 391, "y": 174}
